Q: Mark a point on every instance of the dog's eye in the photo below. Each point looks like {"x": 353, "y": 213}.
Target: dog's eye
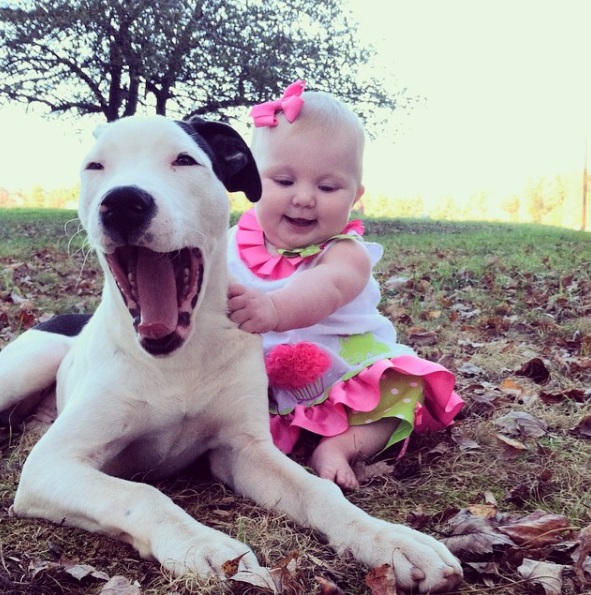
{"x": 94, "y": 165}
{"x": 184, "y": 159}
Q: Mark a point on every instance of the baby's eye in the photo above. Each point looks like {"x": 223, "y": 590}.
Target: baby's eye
{"x": 327, "y": 188}
{"x": 284, "y": 181}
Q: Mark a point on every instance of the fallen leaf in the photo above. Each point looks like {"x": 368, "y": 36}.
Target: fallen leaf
{"x": 575, "y": 394}
{"x": 473, "y": 534}
{"x": 381, "y": 580}
{"x": 119, "y": 585}
{"x": 36, "y": 566}
{"x": 583, "y": 427}
{"x": 510, "y": 447}
{"x": 365, "y": 471}
{"x": 537, "y": 529}
{"x": 285, "y": 574}
{"x": 462, "y": 441}
{"x": 469, "y": 369}
{"x": 510, "y": 387}
{"x": 522, "y": 424}
{"x": 490, "y": 498}
{"x": 536, "y": 370}
{"x": 486, "y": 511}
{"x": 584, "y": 550}
{"x": 487, "y": 571}
{"x": 546, "y": 574}
{"x": 328, "y": 587}
{"x": 523, "y": 492}
{"x": 230, "y": 567}
{"x": 258, "y": 577}
{"x": 80, "y": 571}
{"x": 421, "y": 336}
{"x": 396, "y": 282}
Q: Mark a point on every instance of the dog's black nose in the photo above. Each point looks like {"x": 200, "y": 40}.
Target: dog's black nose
{"x": 126, "y": 212}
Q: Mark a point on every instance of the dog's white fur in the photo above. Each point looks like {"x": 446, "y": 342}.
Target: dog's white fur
{"x": 123, "y": 413}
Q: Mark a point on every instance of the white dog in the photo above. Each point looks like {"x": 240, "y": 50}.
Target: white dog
{"x": 159, "y": 375}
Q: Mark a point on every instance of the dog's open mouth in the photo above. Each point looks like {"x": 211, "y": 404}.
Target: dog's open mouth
{"x": 160, "y": 290}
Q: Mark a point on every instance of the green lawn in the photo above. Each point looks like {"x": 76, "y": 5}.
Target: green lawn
{"x": 506, "y": 307}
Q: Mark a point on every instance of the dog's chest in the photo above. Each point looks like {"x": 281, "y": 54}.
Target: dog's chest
{"x": 165, "y": 448}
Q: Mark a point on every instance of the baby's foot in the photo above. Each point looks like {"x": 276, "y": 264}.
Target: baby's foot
{"x": 329, "y": 462}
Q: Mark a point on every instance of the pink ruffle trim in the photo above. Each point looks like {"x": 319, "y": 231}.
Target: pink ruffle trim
{"x": 250, "y": 240}
{"x": 362, "y": 393}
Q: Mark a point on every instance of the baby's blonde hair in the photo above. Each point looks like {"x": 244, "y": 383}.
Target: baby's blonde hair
{"x": 319, "y": 111}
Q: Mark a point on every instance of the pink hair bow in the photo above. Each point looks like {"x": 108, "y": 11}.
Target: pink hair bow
{"x": 290, "y": 104}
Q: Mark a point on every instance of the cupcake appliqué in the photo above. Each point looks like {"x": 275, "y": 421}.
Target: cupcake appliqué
{"x": 299, "y": 375}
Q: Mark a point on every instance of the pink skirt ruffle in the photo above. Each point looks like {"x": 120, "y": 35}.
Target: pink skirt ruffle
{"x": 362, "y": 393}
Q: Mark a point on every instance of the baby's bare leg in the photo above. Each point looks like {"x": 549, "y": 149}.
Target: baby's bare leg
{"x": 333, "y": 457}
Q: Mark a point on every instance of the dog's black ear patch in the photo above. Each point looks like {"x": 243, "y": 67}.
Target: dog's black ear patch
{"x": 233, "y": 162}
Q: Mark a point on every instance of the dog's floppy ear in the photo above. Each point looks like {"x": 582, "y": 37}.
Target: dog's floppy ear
{"x": 232, "y": 159}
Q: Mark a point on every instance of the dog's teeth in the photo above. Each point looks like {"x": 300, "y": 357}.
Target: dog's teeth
{"x": 186, "y": 280}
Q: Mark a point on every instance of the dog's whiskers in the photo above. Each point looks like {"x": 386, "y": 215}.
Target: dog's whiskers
{"x": 85, "y": 248}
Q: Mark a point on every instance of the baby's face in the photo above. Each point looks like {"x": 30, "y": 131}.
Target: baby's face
{"x": 311, "y": 180}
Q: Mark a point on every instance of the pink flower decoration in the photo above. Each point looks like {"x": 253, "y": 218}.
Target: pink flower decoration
{"x": 294, "y": 366}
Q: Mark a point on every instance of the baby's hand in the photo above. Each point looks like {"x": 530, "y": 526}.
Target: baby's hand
{"x": 252, "y": 310}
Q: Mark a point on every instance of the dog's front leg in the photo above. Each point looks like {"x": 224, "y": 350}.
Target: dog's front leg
{"x": 28, "y": 366}
{"x": 260, "y": 471}
{"x": 59, "y": 482}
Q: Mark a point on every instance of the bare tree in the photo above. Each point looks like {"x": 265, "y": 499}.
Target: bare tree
{"x": 180, "y": 57}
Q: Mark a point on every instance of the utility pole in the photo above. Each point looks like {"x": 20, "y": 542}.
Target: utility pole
{"x": 585, "y": 184}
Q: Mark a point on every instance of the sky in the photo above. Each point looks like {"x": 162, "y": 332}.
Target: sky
{"x": 505, "y": 88}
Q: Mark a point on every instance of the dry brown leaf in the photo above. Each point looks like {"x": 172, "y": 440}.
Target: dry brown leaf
{"x": 365, "y": 471}
{"x": 469, "y": 369}
{"x": 473, "y": 534}
{"x": 583, "y": 427}
{"x": 36, "y": 566}
{"x": 584, "y": 551}
{"x": 285, "y": 574}
{"x": 521, "y": 423}
{"x": 510, "y": 447}
{"x": 575, "y": 394}
{"x": 486, "y": 511}
{"x": 328, "y": 587}
{"x": 462, "y": 441}
{"x": 510, "y": 387}
{"x": 230, "y": 567}
{"x": 536, "y": 370}
{"x": 536, "y": 529}
{"x": 487, "y": 571}
{"x": 546, "y": 574}
{"x": 381, "y": 580}
{"x": 119, "y": 585}
{"x": 80, "y": 571}
{"x": 421, "y": 336}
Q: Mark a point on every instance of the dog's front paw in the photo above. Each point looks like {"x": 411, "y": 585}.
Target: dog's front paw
{"x": 214, "y": 555}
{"x": 421, "y": 563}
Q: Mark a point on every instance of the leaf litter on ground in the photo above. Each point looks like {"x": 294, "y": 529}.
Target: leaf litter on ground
{"x": 506, "y": 308}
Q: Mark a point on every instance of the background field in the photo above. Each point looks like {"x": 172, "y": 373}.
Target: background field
{"x": 506, "y": 308}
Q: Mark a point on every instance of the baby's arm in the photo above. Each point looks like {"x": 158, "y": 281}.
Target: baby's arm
{"x": 339, "y": 277}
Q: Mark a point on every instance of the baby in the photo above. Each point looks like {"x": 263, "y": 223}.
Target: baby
{"x": 304, "y": 280}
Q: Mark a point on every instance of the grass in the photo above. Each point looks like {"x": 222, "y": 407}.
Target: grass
{"x": 486, "y": 300}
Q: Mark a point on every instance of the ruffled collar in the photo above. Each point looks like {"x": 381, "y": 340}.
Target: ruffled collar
{"x": 250, "y": 240}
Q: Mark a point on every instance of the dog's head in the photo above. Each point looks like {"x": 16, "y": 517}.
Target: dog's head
{"x": 154, "y": 203}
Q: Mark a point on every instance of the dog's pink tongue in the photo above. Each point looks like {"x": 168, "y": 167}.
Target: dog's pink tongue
{"x": 156, "y": 289}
